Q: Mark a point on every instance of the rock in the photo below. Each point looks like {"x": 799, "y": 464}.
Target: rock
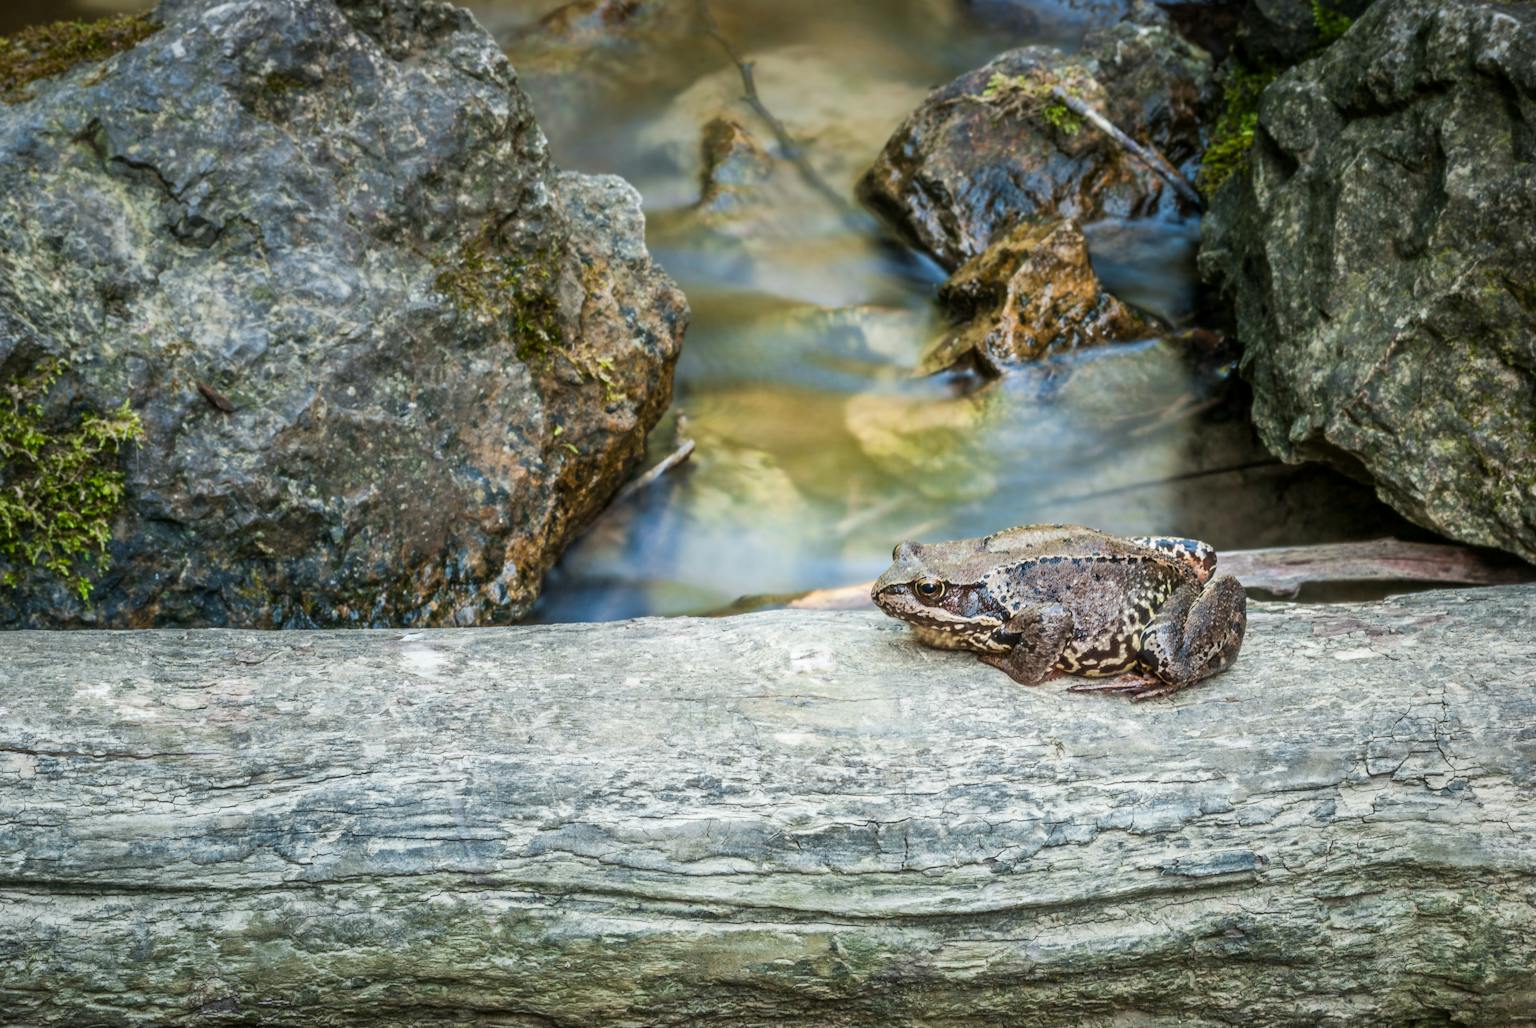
{"x": 962, "y": 169}
{"x": 1031, "y": 294}
{"x": 1382, "y": 263}
{"x": 734, "y": 163}
{"x": 1283, "y": 32}
{"x": 790, "y": 818}
{"x": 442, "y": 355}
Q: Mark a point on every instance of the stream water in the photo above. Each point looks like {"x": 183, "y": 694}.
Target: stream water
{"x": 817, "y": 449}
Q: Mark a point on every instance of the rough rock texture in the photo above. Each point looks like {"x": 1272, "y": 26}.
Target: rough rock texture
{"x": 442, "y": 355}
{"x": 1031, "y": 294}
{"x": 783, "y": 818}
{"x": 1282, "y": 32}
{"x": 960, "y": 170}
{"x": 1381, "y": 256}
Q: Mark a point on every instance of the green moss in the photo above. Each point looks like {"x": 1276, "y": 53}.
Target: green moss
{"x": 511, "y": 294}
{"x": 43, "y": 51}
{"x": 1330, "y": 23}
{"x": 58, "y": 489}
{"x": 1232, "y": 136}
{"x": 281, "y": 84}
{"x": 1030, "y": 95}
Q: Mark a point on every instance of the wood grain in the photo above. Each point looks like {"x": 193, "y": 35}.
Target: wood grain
{"x": 788, "y": 817}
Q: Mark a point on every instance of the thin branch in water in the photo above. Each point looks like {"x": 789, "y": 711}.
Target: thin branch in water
{"x": 792, "y": 150}
{"x": 672, "y": 460}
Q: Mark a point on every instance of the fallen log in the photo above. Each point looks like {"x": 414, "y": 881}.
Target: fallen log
{"x": 789, "y": 817}
{"x": 1283, "y": 570}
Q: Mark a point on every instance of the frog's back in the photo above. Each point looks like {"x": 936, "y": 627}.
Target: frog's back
{"x": 1028, "y": 541}
{"x": 1111, "y": 585}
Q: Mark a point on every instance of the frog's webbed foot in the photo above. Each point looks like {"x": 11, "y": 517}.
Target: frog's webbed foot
{"x": 1197, "y": 633}
{"x": 1042, "y": 634}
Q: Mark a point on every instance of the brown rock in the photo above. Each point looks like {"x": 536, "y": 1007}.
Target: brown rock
{"x": 967, "y": 164}
{"x": 1032, "y": 294}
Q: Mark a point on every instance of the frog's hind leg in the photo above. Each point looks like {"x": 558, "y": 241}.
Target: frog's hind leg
{"x": 1195, "y": 634}
{"x": 1042, "y": 634}
{"x": 1198, "y": 556}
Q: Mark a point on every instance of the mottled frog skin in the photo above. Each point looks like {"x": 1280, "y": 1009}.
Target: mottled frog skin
{"x": 1039, "y": 600}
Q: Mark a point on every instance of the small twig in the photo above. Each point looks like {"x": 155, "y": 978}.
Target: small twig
{"x": 1149, "y": 156}
{"x": 672, "y": 460}
{"x": 787, "y": 144}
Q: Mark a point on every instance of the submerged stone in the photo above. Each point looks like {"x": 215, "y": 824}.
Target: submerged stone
{"x": 1031, "y": 294}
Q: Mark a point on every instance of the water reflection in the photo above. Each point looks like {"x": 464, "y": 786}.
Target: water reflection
{"x": 817, "y": 448}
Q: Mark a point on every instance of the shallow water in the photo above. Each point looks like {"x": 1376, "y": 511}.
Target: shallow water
{"x": 817, "y": 449}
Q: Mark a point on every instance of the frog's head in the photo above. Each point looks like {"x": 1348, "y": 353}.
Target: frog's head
{"x": 939, "y": 589}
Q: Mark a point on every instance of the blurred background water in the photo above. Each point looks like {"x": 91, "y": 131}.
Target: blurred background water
{"x": 817, "y": 448}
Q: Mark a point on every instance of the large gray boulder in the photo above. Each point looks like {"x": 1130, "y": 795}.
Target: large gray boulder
{"x": 1381, "y": 256}
{"x": 336, "y": 218}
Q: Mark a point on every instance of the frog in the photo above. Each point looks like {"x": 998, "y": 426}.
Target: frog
{"x": 1149, "y": 613}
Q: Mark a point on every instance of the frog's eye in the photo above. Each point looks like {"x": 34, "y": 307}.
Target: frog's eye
{"x": 929, "y": 589}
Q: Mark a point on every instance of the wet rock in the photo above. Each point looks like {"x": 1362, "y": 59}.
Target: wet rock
{"x": 968, "y": 165}
{"x": 1382, "y": 262}
{"x": 734, "y": 163}
{"x": 1283, "y": 32}
{"x": 442, "y": 355}
{"x": 1031, "y": 294}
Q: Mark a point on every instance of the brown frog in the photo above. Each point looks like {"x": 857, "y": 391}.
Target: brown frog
{"x": 1040, "y": 600}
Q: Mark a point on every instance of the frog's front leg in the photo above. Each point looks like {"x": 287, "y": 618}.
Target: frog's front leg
{"x": 1195, "y": 634}
{"x": 1042, "y": 634}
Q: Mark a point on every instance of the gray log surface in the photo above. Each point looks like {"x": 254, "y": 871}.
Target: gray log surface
{"x": 784, "y": 817}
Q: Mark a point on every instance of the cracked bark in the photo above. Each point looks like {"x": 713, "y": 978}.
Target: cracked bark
{"x": 789, "y": 816}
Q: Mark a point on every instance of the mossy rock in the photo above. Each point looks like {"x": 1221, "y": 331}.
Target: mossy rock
{"x": 45, "y": 51}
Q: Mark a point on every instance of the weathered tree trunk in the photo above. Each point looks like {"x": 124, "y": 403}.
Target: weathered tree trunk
{"x": 786, "y": 817}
